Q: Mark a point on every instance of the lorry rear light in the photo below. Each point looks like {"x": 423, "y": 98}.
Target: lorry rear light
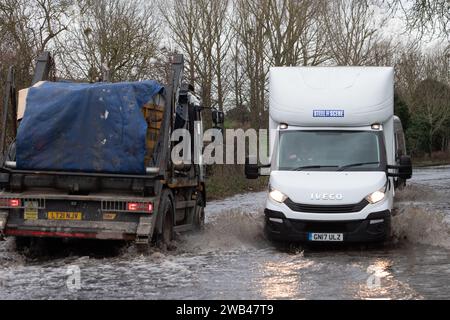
{"x": 14, "y": 203}
{"x": 10, "y": 203}
{"x": 140, "y": 207}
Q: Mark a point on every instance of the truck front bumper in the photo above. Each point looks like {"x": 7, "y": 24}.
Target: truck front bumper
{"x": 375, "y": 228}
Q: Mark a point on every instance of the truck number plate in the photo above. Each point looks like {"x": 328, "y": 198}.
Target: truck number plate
{"x": 64, "y": 216}
{"x": 336, "y": 237}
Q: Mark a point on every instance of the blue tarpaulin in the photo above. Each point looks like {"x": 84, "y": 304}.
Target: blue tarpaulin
{"x": 85, "y": 127}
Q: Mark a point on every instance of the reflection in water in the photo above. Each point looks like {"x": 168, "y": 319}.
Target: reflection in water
{"x": 381, "y": 284}
{"x": 283, "y": 280}
{"x": 377, "y": 278}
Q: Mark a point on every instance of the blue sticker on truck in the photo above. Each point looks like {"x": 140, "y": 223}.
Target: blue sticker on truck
{"x": 328, "y": 113}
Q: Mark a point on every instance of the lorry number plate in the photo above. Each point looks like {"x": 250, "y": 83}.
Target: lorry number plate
{"x": 326, "y": 237}
{"x": 64, "y": 216}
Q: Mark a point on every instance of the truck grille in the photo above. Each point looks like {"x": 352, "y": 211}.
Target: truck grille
{"x": 346, "y": 208}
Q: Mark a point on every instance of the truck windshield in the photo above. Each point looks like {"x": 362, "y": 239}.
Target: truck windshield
{"x": 331, "y": 151}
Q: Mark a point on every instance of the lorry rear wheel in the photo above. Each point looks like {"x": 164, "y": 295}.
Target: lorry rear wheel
{"x": 164, "y": 236}
{"x": 22, "y": 243}
{"x": 199, "y": 213}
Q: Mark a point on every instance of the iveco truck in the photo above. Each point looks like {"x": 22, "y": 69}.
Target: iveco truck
{"x": 335, "y": 156}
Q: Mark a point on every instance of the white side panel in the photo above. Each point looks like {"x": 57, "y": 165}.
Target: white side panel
{"x": 272, "y": 135}
{"x": 388, "y": 130}
{"x": 363, "y": 94}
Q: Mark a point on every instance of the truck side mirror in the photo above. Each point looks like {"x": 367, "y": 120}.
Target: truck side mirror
{"x": 404, "y": 169}
{"x": 251, "y": 170}
{"x": 218, "y": 118}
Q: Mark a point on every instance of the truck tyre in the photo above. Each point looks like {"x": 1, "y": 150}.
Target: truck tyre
{"x": 165, "y": 234}
{"x": 199, "y": 213}
{"x": 23, "y": 243}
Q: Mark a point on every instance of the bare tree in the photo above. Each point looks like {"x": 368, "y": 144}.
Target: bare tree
{"x": 383, "y": 53}
{"x": 181, "y": 17}
{"x": 408, "y": 72}
{"x": 286, "y": 25}
{"x": 26, "y": 29}
{"x": 432, "y": 100}
{"x": 201, "y": 31}
{"x": 119, "y": 36}
{"x": 223, "y": 34}
{"x": 426, "y": 16}
{"x": 313, "y": 40}
{"x": 29, "y": 27}
{"x": 351, "y": 31}
{"x": 250, "y": 31}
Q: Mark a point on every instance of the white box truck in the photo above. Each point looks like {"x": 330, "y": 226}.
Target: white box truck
{"x": 335, "y": 162}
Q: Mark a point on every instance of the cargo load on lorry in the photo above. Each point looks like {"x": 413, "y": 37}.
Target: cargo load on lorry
{"x": 86, "y": 127}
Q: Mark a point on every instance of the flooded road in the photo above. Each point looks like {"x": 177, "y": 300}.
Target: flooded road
{"x": 232, "y": 260}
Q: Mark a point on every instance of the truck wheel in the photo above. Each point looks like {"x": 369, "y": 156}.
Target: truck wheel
{"x": 23, "y": 243}
{"x": 199, "y": 213}
{"x": 164, "y": 236}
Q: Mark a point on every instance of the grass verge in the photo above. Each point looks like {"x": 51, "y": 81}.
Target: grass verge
{"x": 228, "y": 180}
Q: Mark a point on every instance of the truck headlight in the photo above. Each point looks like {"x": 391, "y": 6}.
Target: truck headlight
{"x": 277, "y": 196}
{"x": 375, "y": 197}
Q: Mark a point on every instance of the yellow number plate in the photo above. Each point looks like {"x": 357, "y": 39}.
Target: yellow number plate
{"x": 64, "y": 216}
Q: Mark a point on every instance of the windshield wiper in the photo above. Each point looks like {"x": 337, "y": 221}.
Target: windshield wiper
{"x": 342, "y": 168}
{"x": 314, "y": 167}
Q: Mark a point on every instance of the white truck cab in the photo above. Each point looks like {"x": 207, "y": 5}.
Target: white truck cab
{"x": 333, "y": 152}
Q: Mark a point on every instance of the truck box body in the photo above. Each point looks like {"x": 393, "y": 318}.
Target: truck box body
{"x": 332, "y": 138}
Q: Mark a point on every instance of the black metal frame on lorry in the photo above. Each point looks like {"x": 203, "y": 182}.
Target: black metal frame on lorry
{"x": 162, "y": 184}
{"x": 9, "y": 100}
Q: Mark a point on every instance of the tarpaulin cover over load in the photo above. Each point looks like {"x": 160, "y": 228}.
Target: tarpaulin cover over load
{"x": 85, "y": 127}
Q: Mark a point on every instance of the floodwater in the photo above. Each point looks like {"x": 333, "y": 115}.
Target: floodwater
{"x": 231, "y": 259}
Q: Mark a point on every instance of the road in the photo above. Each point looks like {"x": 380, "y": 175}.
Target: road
{"x": 232, "y": 260}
